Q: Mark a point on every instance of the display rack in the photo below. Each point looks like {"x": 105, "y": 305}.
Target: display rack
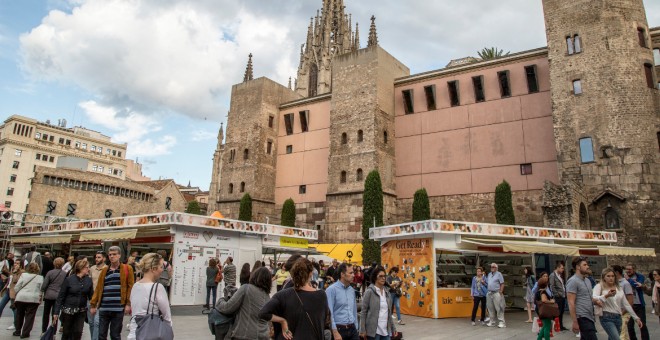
{"x": 511, "y": 268}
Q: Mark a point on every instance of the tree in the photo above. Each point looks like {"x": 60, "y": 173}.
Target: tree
{"x": 503, "y": 204}
{"x": 245, "y": 211}
{"x": 193, "y": 208}
{"x": 289, "y": 213}
{"x": 491, "y": 53}
{"x": 372, "y": 215}
{"x": 421, "y": 207}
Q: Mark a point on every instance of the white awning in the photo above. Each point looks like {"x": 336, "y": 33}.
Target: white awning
{"x": 42, "y": 239}
{"x": 539, "y": 248}
{"x": 626, "y": 251}
{"x": 109, "y": 235}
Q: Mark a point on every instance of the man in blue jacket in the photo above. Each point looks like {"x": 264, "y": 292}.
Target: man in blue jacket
{"x": 637, "y": 282}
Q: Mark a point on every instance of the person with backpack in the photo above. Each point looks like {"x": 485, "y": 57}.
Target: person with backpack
{"x": 166, "y": 275}
{"x": 51, "y": 288}
{"x": 34, "y": 257}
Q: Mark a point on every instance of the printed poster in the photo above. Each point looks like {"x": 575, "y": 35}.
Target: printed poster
{"x": 414, "y": 257}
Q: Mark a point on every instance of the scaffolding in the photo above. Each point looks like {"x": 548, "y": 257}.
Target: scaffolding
{"x": 10, "y": 219}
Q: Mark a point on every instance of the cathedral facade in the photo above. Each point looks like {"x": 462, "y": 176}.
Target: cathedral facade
{"x": 574, "y": 128}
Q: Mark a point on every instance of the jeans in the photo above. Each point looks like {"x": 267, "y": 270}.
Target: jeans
{"x": 641, "y": 313}
{"x": 73, "y": 325}
{"x": 495, "y": 301}
{"x": 112, "y": 321}
{"x": 587, "y": 329}
{"x": 612, "y": 325}
{"x": 93, "y": 324}
{"x": 209, "y": 290}
{"x": 25, "y": 313}
{"x": 4, "y": 301}
{"x": 479, "y": 300}
{"x": 544, "y": 332}
{"x": 379, "y": 337}
{"x": 349, "y": 333}
{"x": 396, "y": 303}
{"x": 561, "y": 303}
{"x": 45, "y": 318}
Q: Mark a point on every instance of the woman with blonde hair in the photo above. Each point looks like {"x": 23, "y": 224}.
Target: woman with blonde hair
{"x": 28, "y": 299}
{"x": 610, "y": 300}
{"x": 51, "y": 288}
{"x": 71, "y": 305}
{"x": 143, "y": 296}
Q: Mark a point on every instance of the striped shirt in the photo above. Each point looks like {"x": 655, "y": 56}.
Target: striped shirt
{"x": 111, "y": 299}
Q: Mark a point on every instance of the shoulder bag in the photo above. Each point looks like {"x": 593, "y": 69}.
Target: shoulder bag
{"x": 218, "y": 276}
{"x": 548, "y": 310}
{"x": 302, "y": 306}
{"x": 151, "y": 326}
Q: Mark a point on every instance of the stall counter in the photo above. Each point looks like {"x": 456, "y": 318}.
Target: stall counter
{"x": 454, "y": 302}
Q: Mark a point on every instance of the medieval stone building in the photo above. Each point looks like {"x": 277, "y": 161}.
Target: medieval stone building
{"x": 573, "y": 127}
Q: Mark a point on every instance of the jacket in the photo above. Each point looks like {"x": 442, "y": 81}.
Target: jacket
{"x": 638, "y": 290}
{"x": 369, "y": 312}
{"x": 126, "y": 285}
{"x": 28, "y": 288}
{"x": 75, "y": 293}
{"x": 245, "y": 304}
{"x": 53, "y": 283}
{"x": 211, "y": 272}
{"x": 557, "y": 287}
{"x": 474, "y": 291}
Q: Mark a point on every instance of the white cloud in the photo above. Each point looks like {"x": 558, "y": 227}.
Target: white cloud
{"x": 202, "y": 135}
{"x": 130, "y": 127}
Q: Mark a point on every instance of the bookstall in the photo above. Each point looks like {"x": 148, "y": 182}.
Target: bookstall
{"x": 439, "y": 258}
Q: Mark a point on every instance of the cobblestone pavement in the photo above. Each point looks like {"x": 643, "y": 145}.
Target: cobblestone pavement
{"x": 189, "y": 323}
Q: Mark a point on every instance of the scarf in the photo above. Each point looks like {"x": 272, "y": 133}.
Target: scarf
{"x": 656, "y": 287}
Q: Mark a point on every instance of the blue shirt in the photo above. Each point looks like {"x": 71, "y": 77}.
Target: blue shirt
{"x": 495, "y": 280}
{"x": 111, "y": 299}
{"x": 341, "y": 301}
{"x": 536, "y": 289}
{"x": 479, "y": 289}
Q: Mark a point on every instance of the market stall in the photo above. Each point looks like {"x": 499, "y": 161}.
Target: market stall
{"x": 190, "y": 239}
{"x": 439, "y": 258}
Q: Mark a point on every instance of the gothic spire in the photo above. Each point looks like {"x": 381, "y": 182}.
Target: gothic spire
{"x": 289, "y": 83}
{"x": 221, "y": 135}
{"x": 356, "y": 43}
{"x": 248, "y": 69}
{"x": 373, "y": 38}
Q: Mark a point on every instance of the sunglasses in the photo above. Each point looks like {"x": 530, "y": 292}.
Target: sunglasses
{"x": 380, "y": 276}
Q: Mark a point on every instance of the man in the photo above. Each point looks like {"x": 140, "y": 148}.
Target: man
{"x": 33, "y": 256}
{"x": 332, "y": 274}
{"x": 636, "y": 281}
{"x": 628, "y": 292}
{"x": 558, "y": 289}
{"x": 112, "y": 295}
{"x": 343, "y": 308}
{"x": 95, "y": 272}
{"x": 47, "y": 260}
{"x": 495, "y": 296}
{"x": 166, "y": 275}
{"x": 580, "y": 300}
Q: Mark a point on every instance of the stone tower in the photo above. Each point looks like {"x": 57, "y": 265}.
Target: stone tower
{"x": 606, "y": 116}
{"x": 329, "y": 34}
{"x": 249, "y": 154}
{"x": 217, "y": 170}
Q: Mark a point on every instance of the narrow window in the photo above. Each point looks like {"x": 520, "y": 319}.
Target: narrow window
{"x": 641, "y": 36}
{"x": 246, "y": 154}
{"x": 271, "y": 121}
{"x": 302, "y": 189}
{"x": 586, "y": 150}
{"x": 10, "y": 191}
{"x": 7, "y": 204}
{"x": 71, "y": 209}
{"x": 385, "y": 137}
{"x": 360, "y": 136}
{"x": 50, "y": 207}
{"x": 577, "y": 86}
{"x": 429, "y": 91}
{"x": 15, "y": 165}
{"x": 38, "y": 157}
{"x": 344, "y": 138}
{"x": 289, "y": 148}
{"x": 358, "y": 175}
{"x": 51, "y": 139}
{"x": 44, "y": 158}
{"x": 168, "y": 203}
{"x": 242, "y": 186}
{"x": 304, "y": 120}
{"x": 51, "y": 159}
{"x": 269, "y": 147}
{"x": 478, "y": 84}
{"x": 648, "y": 70}
{"x": 569, "y": 45}
{"x": 453, "y": 93}
{"x": 61, "y": 141}
{"x": 12, "y": 178}
{"x": 526, "y": 169}
{"x": 342, "y": 178}
{"x": 37, "y": 135}
{"x": 408, "y": 101}
{"x": 532, "y": 82}
{"x": 232, "y": 155}
{"x": 313, "y": 80}
{"x": 577, "y": 43}
{"x": 231, "y": 188}
{"x": 288, "y": 123}
{"x": 505, "y": 89}
{"x": 656, "y": 56}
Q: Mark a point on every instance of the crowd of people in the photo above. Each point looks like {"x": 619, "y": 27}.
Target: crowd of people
{"x": 618, "y": 299}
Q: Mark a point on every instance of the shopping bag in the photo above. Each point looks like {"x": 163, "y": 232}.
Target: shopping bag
{"x": 50, "y": 333}
{"x": 535, "y": 325}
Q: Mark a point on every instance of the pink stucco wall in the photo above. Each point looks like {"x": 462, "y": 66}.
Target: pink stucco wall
{"x": 472, "y": 147}
{"x": 308, "y": 163}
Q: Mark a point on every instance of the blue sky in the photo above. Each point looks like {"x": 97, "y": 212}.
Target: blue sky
{"x": 157, "y": 74}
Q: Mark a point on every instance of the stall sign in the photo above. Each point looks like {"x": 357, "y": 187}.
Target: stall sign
{"x": 454, "y": 303}
{"x": 414, "y": 258}
{"x": 291, "y": 242}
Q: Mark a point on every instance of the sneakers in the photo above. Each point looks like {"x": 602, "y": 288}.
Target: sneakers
{"x": 487, "y": 319}
{"x": 490, "y": 324}
{"x": 11, "y": 328}
{"x": 400, "y": 322}
{"x": 577, "y": 335}
{"x": 501, "y": 325}
{"x": 473, "y": 323}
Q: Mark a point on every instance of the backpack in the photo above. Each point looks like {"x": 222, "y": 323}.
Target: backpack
{"x": 165, "y": 278}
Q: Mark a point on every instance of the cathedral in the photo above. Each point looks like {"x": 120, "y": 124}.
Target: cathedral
{"x": 573, "y": 127}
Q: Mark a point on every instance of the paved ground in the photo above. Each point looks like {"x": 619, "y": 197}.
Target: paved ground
{"x": 189, "y": 323}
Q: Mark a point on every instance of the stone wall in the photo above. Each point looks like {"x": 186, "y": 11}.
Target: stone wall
{"x": 262, "y": 212}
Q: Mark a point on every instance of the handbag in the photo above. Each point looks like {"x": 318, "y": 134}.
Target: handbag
{"x": 535, "y": 326}
{"x": 50, "y": 333}
{"x": 548, "y": 310}
{"x": 218, "y": 276}
{"x": 224, "y": 321}
{"x": 151, "y": 326}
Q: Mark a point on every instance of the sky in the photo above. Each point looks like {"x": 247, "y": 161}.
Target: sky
{"x": 157, "y": 74}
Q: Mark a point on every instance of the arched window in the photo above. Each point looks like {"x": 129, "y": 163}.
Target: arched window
{"x": 246, "y": 154}
{"x": 360, "y": 136}
{"x": 342, "y": 179}
{"x": 358, "y": 176}
{"x": 385, "y": 137}
{"x": 231, "y": 188}
{"x": 344, "y": 138}
{"x": 242, "y": 186}
{"x": 313, "y": 80}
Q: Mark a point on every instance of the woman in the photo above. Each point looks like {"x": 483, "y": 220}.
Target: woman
{"x": 245, "y": 304}
{"x": 244, "y": 277}
{"x": 69, "y": 264}
{"x": 377, "y": 305}
{"x": 358, "y": 279}
{"x": 479, "y": 290}
{"x": 10, "y": 294}
{"x": 394, "y": 282}
{"x": 655, "y": 294}
{"x": 151, "y": 266}
{"x": 131, "y": 262}
{"x": 295, "y": 313}
{"x": 256, "y": 266}
{"x": 280, "y": 277}
{"x": 611, "y": 300}
{"x": 529, "y": 296}
{"x": 28, "y": 298}
{"x": 51, "y": 289}
{"x": 211, "y": 285}
{"x": 536, "y": 285}
{"x": 543, "y": 297}
{"x": 72, "y": 300}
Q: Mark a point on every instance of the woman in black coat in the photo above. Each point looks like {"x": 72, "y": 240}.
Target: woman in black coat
{"x": 71, "y": 305}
